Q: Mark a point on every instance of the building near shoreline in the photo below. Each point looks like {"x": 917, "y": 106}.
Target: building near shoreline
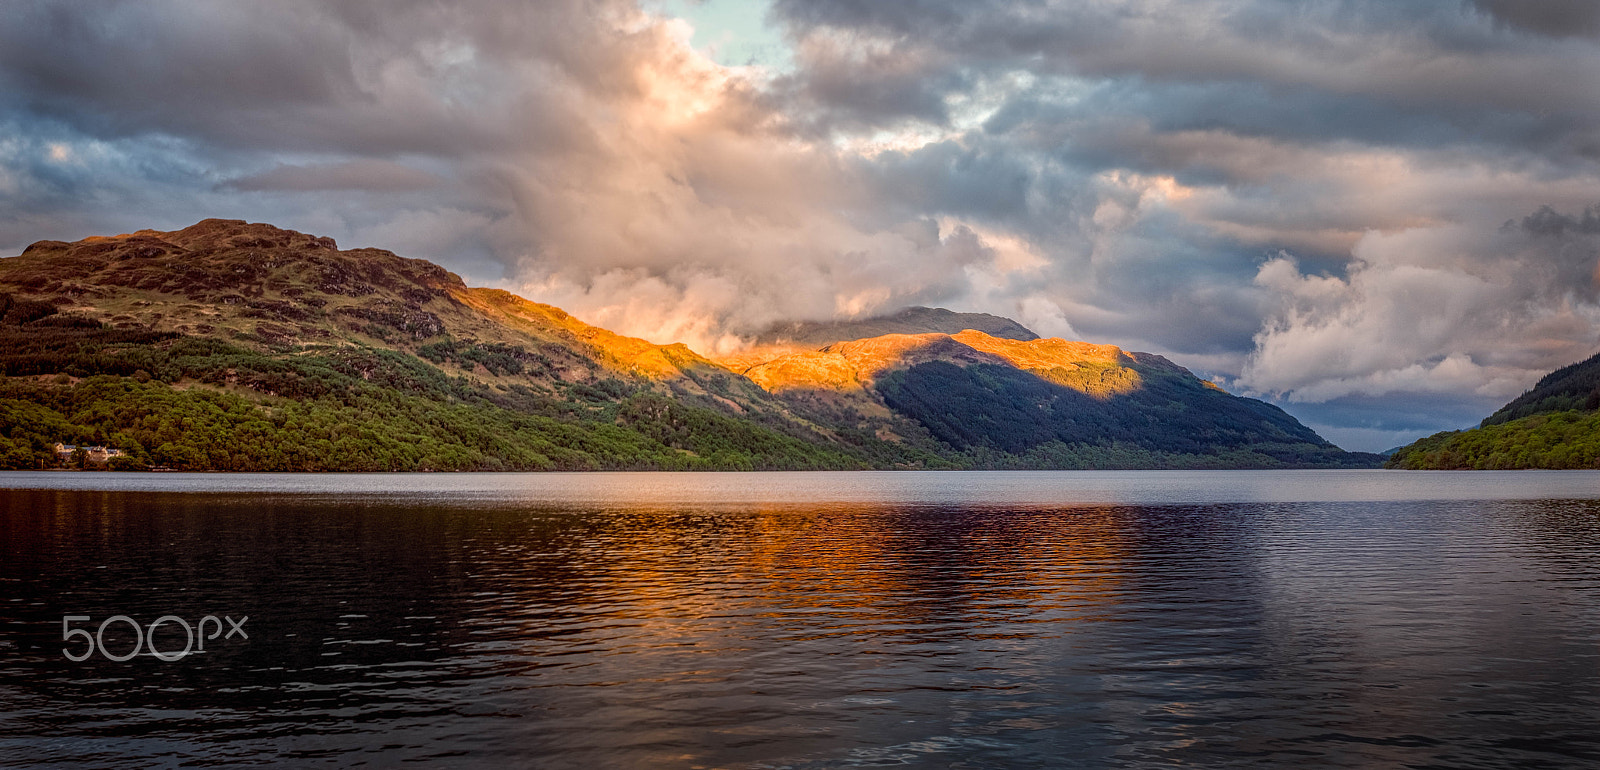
{"x": 93, "y": 454}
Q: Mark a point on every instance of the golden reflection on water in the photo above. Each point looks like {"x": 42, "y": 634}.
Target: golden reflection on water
{"x": 877, "y": 566}
{"x": 668, "y": 577}
{"x": 813, "y": 635}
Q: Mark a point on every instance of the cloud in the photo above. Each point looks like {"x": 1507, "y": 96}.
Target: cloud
{"x": 1547, "y": 221}
{"x": 1430, "y": 310}
{"x": 1555, "y": 18}
{"x": 1412, "y": 57}
{"x": 364, "y": 175}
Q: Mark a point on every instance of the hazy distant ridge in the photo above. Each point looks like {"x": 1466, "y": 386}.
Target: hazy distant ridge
{"x": 912, "y": 320}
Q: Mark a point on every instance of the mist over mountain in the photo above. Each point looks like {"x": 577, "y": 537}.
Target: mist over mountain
{"x": 236, "y": 346}
{"x": 912, "y": 320}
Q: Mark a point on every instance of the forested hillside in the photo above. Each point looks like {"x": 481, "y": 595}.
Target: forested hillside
{"x": 204, "y": 404}
{"x": 1554, "y": 425}
{"x": 1570, "y": 388}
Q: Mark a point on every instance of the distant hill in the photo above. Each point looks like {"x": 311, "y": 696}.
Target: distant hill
{"x": 1046, "y": 402}
{"x": 912, "y": 320}
{"x": 1553, "y": 425}
{"x": 236, "y": 346}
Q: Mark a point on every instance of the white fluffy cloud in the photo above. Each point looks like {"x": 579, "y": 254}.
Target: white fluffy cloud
{"x": 1449, "y": 309}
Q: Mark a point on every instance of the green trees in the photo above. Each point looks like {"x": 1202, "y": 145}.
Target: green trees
{"x": 1554, "y": 425}
{"x": 1570, "y": 388}
{"x": 193, "y": 403}
{"x": 1556, "y": 440}
{"x": 200, "y": 404}
{"x": 712, "y": 440}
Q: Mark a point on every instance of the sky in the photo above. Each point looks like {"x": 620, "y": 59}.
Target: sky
{"x": 1382, "y": 215}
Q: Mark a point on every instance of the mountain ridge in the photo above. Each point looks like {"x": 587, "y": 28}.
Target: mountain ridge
{"x": 911, "y": 320}
{"x": 293, "y": 288}
{"x": 277, "y": 323}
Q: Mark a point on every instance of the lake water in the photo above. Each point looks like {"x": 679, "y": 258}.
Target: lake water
{"x": 964, "y": 620}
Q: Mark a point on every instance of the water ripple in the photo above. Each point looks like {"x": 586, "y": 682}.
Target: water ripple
{"x": 1355, "y": 633}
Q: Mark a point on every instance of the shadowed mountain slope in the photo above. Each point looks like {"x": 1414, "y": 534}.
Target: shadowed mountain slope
{"x": 1062, "y": 403}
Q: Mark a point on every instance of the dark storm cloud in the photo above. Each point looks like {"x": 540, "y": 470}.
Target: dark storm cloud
{"x": 363, "y": 77}
{"x": 1115, "y": 123}
{"x": 851, "y": 88}
{"x": 1389, "y": 60}
{"x": 221, "y": 71}
{"x": 1556, "y": 18}
{"x": 1548, "y": 221}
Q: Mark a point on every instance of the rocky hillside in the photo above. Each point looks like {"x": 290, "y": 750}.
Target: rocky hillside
{"x": 293, "y": 354}
{"x": 267, "y": 287}
{"x": 229, "y": 345}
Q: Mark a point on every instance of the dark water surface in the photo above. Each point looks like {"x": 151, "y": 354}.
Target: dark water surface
{"x": 1324, "y": 619}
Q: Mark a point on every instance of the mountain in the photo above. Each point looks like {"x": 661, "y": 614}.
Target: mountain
{"x": 912, "y": 320}
{"x": 1554, "y": 425}
{"x": 258, "y": 284}
{"x": 236, "y": 346}
{"x": 239, "y": 346}
{"x": 1043, "y": 403}
{"x": 801, "y": 336}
